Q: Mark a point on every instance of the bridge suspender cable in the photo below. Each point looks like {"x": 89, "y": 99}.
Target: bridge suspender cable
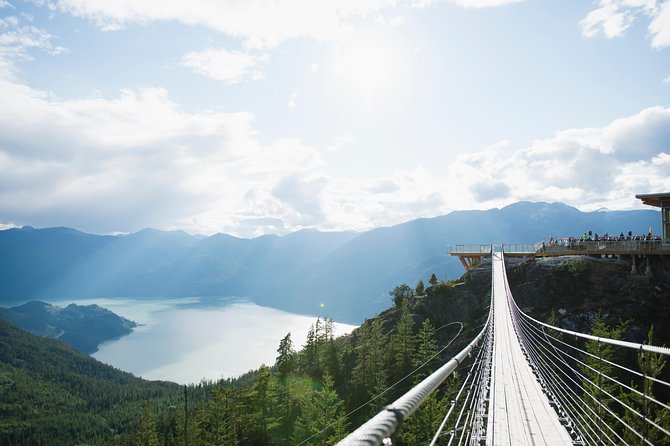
{"x": 565, "y": 374}
{"x": 386, "y": 422}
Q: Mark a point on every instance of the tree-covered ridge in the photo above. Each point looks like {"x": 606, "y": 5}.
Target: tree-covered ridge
{"x": 82, "y": 326}
{"x": 317, "y": 394}
{"x": 52, "y": 394}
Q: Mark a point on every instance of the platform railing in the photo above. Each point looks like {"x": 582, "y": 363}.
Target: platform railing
{"x": 571, "y": 245}
{"x": 469, "y": 249}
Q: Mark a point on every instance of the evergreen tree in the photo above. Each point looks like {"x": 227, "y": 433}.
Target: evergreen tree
{"x": 651, "y": 365}
{"x": 309, "y": 356}
{"x": 219, "y": 422}
{"x": 147, "y": 435}
{"x": 261, "y": 401}
{"x": 426, "y": 347}
{"x": 321, "y": 418}
{"x": 402, "y": 343}
{"x": 285, "y": 366}
{"x": 369, "y": 375}
{"x": 596, "y": 386}
{"x": 420, "y": 288}
{"x": 433, "y": 279}
{"x": 285, "y": 362}
{"x": 422, "y": 425}
{"x": 401, "y": 292}
{"x": 331, "y": 360}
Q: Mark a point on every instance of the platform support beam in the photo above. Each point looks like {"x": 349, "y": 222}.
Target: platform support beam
{"x": 470, "y": 262}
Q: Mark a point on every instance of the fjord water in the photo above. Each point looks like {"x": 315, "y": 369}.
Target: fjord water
{"x": 189, "y": 339}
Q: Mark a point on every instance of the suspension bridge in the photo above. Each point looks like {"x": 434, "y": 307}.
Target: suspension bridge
{"x": 530, "y": 383}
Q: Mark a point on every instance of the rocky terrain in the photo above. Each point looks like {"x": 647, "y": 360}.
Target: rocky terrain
{"x": 576, "y": 289}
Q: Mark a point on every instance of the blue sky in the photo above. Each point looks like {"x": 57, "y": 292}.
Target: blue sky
{"x": 263, "y": 116}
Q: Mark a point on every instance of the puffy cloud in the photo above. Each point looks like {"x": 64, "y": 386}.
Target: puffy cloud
{"x": 18, "y": 38}
{"x": 614, "y": 17}
{"x": 589, "y": 167}
{"x": 262, "y": 23}
{"x": 303, "y": 196}
{"x": 487, "y": 191}
{"x": 660, "y": 27}
{"x": 137, "y": 160}
{"x": 228, "y": 66}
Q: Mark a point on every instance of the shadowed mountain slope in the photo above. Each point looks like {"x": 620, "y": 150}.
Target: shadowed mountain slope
{"x": 343, "y": 275}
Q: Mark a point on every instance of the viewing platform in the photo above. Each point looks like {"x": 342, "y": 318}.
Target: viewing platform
{"x": 629, "y": 246}
{"x": 471, "y": 255}
{"x": 569, "y": 247}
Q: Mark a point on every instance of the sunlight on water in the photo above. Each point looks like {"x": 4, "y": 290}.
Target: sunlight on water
{"x": 187, "y": 340}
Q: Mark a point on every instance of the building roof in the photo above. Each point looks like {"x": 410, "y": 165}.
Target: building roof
{"x": 654, "y": 199}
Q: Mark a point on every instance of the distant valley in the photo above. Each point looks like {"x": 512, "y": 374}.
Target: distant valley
{"x": 343, "y": 275}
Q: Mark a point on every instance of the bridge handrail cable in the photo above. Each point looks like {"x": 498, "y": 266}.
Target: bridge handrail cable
{"x": 554, "y": 374}
{"x": 580, "y": 385}
{"x": 386, "y": 422}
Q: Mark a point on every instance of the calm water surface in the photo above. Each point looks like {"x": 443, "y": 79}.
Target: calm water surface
{"x": 187, "y": 340}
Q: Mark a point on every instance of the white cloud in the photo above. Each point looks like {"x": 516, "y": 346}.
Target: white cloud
{"x": 17, "y": 39}
{"x": 228, "y": 66}
{"x": 485, "y": 3}
{"x": 589, "y": 167}
{"x": 614, "y": 17}
{"x": 136, "y": 160}
{"x": 660, "y": 27}
{"x": 261, "y": 23}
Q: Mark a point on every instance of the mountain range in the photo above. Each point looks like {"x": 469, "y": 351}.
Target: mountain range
{"x": 343, "y": 275}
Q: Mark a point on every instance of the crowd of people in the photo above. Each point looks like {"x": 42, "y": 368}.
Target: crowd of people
{"x": 590, "y": 236}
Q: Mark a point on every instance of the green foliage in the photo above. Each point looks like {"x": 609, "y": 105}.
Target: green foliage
{"x": 220, "y": 421}
{"x": 651, "y": 365}
{"x": 433, "y": 279}
{"x": 422, "y": 425}
{"x": 53, "y": 394}
{"x": 443, "y": 287}
{"x": 597, "y": 365}
{"x": 401, "y": 292}
{"x": 370, "y": 374}
{"x": 321, "y": 419}
{"x": 420, "y": 288}
{"x": 426, "y": 347}
{"x": 286, "y": 362}
{"x": 572, "y": 275}
{"x": 402, "y": 343}
{"x": 147, "y": 435}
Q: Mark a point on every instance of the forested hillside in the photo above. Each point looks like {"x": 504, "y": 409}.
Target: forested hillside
{"x": 82, "y": 326}
{"x": 51, "y": 394}
{"x": 316, "y": 393}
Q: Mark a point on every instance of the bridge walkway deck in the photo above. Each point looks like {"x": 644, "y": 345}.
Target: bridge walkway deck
{"x": 519, "y": 412}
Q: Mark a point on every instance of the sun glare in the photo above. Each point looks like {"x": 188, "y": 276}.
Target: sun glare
{"x": 368, "y": 65}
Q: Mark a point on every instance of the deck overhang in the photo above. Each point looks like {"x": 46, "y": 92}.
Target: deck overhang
{"x": 660, "y": 200}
